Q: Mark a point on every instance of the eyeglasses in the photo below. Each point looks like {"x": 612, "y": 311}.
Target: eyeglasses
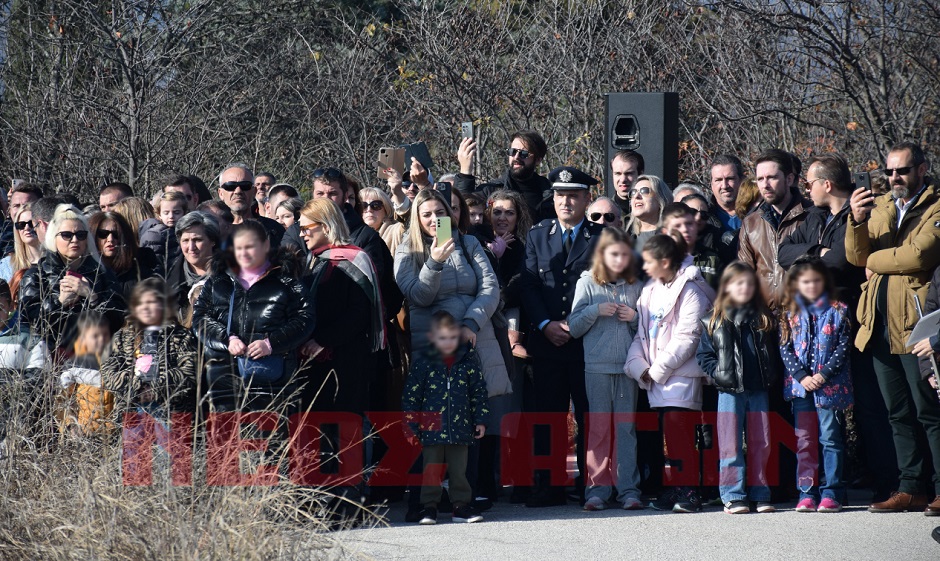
{"x": 497, "y": 213}
{"x": 231, "y": 186}
{"x": 608, "y": 216}
{"x": 513, "y": 152}
{"x": 701, "y": 213}
{"x": 80, "y": 235}
{"x": 408, "y": 186}
{"x": 24, "y": 224}
{"x": 374, "y": 206}
{"x": 645, "y": 191}
{"x": 809, "y": 182}
{"x": 330, "y": 174}
{"x": 900, "y": 171}
{"x": 103, "y": 234}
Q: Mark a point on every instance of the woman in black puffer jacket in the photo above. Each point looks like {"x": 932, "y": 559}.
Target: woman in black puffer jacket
{"x": 67, "y": 281}
{"x": 270, "y": 316}
{"x": 119, "y": 252}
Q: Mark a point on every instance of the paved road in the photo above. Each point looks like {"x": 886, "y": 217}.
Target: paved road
{"x": 513, "y": 532}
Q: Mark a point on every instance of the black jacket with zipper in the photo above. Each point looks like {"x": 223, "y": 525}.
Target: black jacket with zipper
{"x": 724, "y": 358}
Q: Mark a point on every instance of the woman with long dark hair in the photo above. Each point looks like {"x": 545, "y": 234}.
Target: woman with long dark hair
{"x": 117, "y": 246}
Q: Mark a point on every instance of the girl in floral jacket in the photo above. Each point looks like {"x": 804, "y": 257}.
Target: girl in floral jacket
{"x": 814, "y": 334}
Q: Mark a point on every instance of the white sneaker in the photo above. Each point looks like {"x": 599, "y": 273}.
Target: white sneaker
{"x": 632, "y": 504}
{"x": 595, "y": 503}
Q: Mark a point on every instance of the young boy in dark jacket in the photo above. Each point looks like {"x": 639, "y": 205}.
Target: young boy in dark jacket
{"x": 445, "y": 403}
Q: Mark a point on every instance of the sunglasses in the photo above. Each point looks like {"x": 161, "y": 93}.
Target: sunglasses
{"x": 374, "y": 206}
{"x": 309, "y": 228}
{"x": 231, "y": 186}
{"x": 513, "y": 152}
{"x": 330, "y": 174}
{"x": 645, "y": 191}
{"x": 702, "y": 213}
{"x": 23, "y": 225}
{"x": 103, "y": 234}
{"x": 500, "y": 212}
{"x": 80, "y": 235}
{"x": 608, "y": 216}
{"x": 900, "y": 171}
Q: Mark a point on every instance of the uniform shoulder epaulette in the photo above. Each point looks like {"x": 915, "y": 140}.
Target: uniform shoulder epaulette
{"x": 548, "y": 222}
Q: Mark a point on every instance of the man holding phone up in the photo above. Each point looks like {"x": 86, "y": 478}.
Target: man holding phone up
{"x": 557, "y": 252}
{"x": 896, "y": 237}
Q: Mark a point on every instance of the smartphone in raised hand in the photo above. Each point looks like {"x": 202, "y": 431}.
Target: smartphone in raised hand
{"x": 390, "y": 158}
{"x": 442, "y": 230}
{"x": 466, "y": 129}
{"x": 863, "y": 180}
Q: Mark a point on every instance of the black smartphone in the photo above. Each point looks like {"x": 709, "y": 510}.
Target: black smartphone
{"x": 466, "y": 129}
{"x": 863, "y": 180}
{"x": 445, "y": 188}
{"x": 419, "y": 151}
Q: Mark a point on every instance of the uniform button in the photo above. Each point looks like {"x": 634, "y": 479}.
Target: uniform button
{"x": 564, "y": 284}
{"x": 564, "y": 298}
{"x": 564, "y": 313}
{"x": 541, "y": 270}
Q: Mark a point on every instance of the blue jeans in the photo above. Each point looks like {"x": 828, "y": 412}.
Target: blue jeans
{"x": 738, "y": 413}
{"x": 815, "y": 427}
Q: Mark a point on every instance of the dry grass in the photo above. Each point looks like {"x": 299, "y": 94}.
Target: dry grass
{"x": 62, "y": 497}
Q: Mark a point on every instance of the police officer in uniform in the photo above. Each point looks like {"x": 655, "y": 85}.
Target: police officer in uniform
{"x": 557, "y": 252}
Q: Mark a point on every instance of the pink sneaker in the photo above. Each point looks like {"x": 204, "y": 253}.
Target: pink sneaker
{"x": 829, "y": 505}
{"x": 806, "y": 505}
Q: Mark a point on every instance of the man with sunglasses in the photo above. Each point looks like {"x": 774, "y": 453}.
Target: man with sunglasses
{"x": 896, "y": 237}
{"x": 237, "y": 191}
{"x": 525, "y": 153}
{"x": 603, "y": 211}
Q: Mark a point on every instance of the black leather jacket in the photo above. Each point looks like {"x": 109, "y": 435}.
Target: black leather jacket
{"x": 721, "y": 355}
{"x": 39, "y": 299}
{"x": 276, "y": 307}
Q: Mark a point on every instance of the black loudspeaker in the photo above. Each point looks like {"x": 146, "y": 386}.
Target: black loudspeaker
{"x": 647, "y": 123}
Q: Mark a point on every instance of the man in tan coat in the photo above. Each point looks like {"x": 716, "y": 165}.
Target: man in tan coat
{"x": 896, "y": 237}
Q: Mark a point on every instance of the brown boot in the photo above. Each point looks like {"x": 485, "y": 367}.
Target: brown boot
{"x": 933, "y": 509}
{"x": 901, "y": 502}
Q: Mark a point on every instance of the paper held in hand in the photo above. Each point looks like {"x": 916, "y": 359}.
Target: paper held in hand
{"x": 928, "y": 326}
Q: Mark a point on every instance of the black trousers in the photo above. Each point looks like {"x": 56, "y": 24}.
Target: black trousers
{"x": 557, "y": 383}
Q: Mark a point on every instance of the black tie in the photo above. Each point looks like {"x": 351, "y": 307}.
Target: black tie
{"x": 567, "y": 238}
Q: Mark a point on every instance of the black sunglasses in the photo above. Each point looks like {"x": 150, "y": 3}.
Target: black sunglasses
{"x": 231, "y": 186}
{"x": 103, "y": 234}
{"x": 80, "y": 235}
{"x": 523, "y": 154}
{"x": 331, "y": 174}
{"x": 645, "y": 191}
{"x": 24, "y": 224}
{"x": 374, "y": 205}
{"x": 608, "y": 216}
{"x": 900, "y": 171}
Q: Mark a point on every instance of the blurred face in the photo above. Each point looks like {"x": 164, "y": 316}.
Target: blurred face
{"x": 242, "y": 187}
{"x": 701, "y": 213}
{"x": 171, "y": 212}
{"x": 96, "y": 338}
{"x": 606, "y": 213}
{"x": 428, "y": 213}
{"x": 810, "y": 285}
{"x": 505, "y": 217}
{"x": 17, "y": 200}
{"x": 657, "y": 269}
{"x": 373, "y": 212}
{"x": 725, "y": 185}
{"x": 196, "y": 246}
{"x": 625, "y": 173}
{"x": 107, "y": 200}
{"x": 71, "y": 248}
{"x": 313, "y": 233}
{"x": 446, "y": 340}
{"x": 570, "y": 206}
{"x": 903, "y": 185}
{"x": 109, "y": 240}
{"x": 25, "y": 229}
{"x": 187, "y": 191}
{"x": 476, "y": 215}
{"x": 149, "y": 310}
{"x": 250, "y": 251}
{"x": 686, "y": 226}
{"x": 740, "y": 289}
{"x": 332, "y": 191}
{"x": 455, "y": 207}
{"x": 284, "y": 217}
{"x": 644, "y": 202}
{"x": 772, "y": 183}
{"x": 518, "y": 166}
{"x": 617, "y": 257}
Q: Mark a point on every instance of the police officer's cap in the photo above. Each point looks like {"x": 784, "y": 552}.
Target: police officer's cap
{"x": 567, "y": 178}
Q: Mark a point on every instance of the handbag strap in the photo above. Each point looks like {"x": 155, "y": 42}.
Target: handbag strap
{"x": 231, "y": 307}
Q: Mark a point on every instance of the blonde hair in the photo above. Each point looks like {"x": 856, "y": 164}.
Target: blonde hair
{"x": 135, "y": 210}
{"x": 65, "y": 213}
{"x": 170, "y": 197}
{"x": 380, "y": 195}
{"x": 328, "y": 214}
{"x": 415, "y": 237}
{"x": 599, "y": 272}
{"x": 661, "y": 194}
{"x": 20, "y": 259}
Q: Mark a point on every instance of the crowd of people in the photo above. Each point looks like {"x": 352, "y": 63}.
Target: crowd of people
{"x": 468, "y": 305}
